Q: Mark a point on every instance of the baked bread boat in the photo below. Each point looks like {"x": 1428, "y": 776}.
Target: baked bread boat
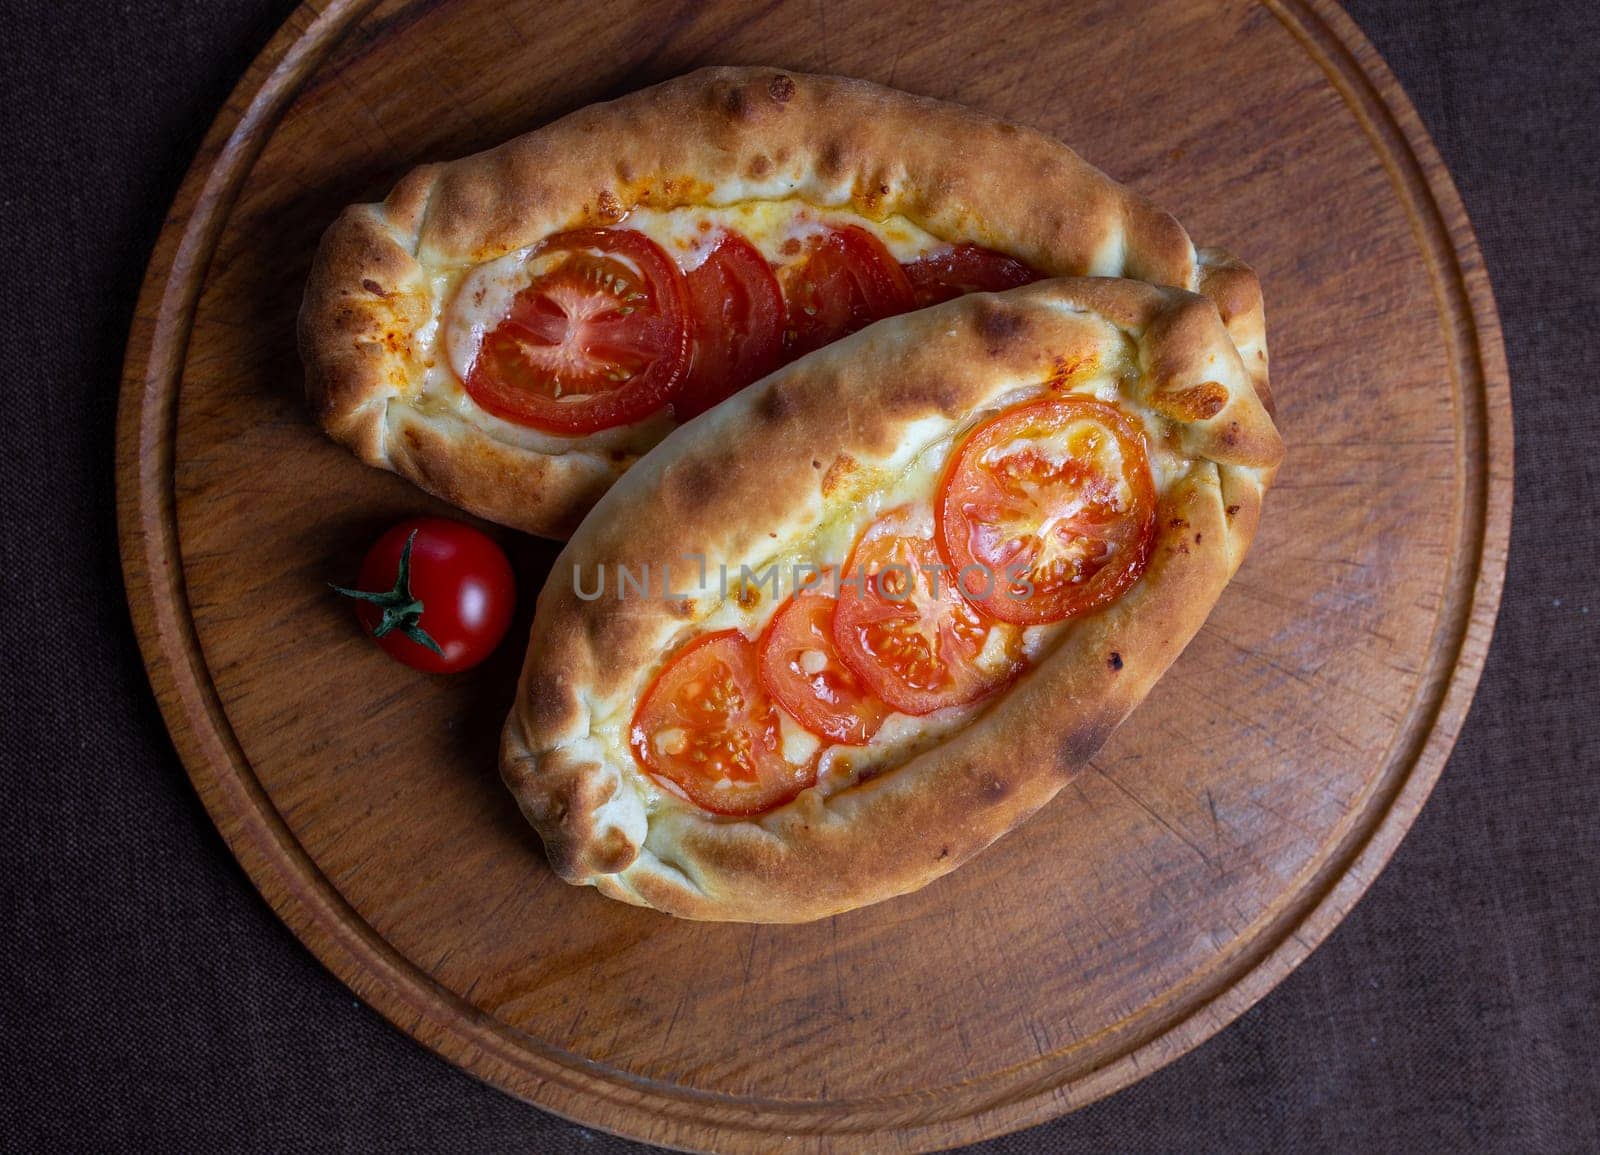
{"x": 512, "y": 330}
{"x": 748, "y": 695}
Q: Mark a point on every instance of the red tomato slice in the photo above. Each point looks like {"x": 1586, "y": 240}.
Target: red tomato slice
{"x": 1054, "y": 501}
{"x": 801, "y": 667}
{"x": 848, "y": 281}
{"x": 965, "y": 269}
{"x": 708, "y": 726}
{"x": 902, "y": 626}
{"x": 598, "y": 339}
{"x": 736, "y": 319}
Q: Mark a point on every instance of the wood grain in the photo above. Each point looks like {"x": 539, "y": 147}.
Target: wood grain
{"x": 1217, "y": 839}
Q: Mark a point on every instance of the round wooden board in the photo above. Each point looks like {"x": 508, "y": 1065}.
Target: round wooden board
{"x": 1214, "y": 842}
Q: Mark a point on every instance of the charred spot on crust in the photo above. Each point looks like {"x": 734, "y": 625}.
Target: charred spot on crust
{"x": 681, "y": 608}
{"x": 815, "y": 464}
{"x": 1114, "y": 661}
{"x": 373, "y": 287}
{"x": 1178, "y": 523}
{"x": 760, "y": 165}
{"x": 781, "y": 89}
{"x": 906, "y": 397}
{"x": 1082, "y": 744}
{"x": 1230, "y": 435}
{"x": 773, "y": 406}
{"x": 736, "y": 103}
{"x": 1198, "y": 537}
{"x": 831, "y": 162}
{"x": 999, "y": 328}
{"x": 944, "y": 852}
{"x": 995, "y": 789}
{"x": 686, "y": 485}
{"x": 1232, "y": 510}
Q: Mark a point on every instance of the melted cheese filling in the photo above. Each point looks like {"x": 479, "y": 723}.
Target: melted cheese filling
{"x": 468, "y": 302}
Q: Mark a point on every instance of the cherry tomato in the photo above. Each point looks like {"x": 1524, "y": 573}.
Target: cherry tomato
{"x": 599, "y": 338}
{"x": 708, "y": 726}
{"x": 435, "y": 594}
{"x": 736, "y": 318}
{"x": 965, "y": 269}
{"x": 802, "y": 669}
{"x": 847, "y": 281}
{"x": 902, "y": 626}
{"x": 1054, "y": 500}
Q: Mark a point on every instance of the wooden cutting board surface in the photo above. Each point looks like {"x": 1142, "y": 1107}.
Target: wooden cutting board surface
{"x": 1220, "y": 835}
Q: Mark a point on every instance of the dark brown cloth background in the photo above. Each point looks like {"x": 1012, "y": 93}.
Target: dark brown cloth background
{"x": 150, "y": 1000}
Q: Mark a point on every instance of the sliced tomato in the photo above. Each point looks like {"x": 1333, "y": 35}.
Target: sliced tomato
{"x": 801, "y": 667}
{"x": 847, "y": 281}
{"x": 1055, "y": 503}
{"x": 965, "y": 269}
{"x": 599, "y": 338}
{"x": 902, "y": 626}
{"x": 736, "y": 320}
{"x": 708, "y": 726}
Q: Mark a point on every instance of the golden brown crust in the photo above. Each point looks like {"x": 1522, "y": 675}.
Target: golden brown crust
{"x": 723, "y": 134}
{"x": 755, "y": 479}
{"x": 1234, "y": 289}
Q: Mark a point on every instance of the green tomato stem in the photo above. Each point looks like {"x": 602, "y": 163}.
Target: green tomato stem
{"x": 401, "y": 611}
